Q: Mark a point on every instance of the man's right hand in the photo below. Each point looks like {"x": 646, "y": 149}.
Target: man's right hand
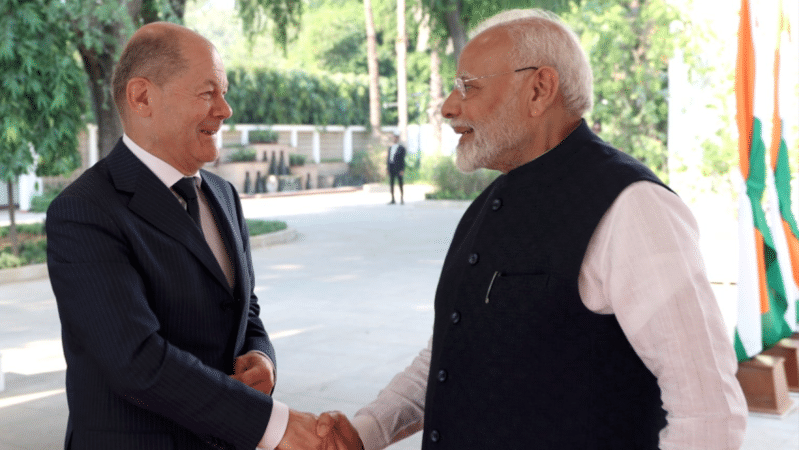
{"x": 343, "y": 434}
{"x": 301, "y": 433}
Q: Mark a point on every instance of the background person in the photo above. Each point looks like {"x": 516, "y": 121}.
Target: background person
{"x": 396, "y": 165}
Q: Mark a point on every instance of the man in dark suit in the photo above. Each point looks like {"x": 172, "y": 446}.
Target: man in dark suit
{"x": 396, "y": 165}
{"x": 160, "y": 324}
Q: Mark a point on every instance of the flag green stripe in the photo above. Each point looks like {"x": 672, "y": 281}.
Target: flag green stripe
{"x": 783, "y": 178}
{"x": 773, "y": 324}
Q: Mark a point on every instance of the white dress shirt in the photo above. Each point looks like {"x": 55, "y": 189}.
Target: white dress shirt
{"x": 643, "y": 264}
{"x": 169, "y": 175}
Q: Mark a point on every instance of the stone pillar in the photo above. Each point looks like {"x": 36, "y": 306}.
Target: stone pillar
{"x": 315, "y": 147}
{"x": 347, "y": 145}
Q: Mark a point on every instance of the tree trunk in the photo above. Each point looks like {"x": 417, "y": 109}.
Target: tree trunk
{"x": 372, "y": 66}
{"x": 402, "y": 84}
{"x": 455, "y": 27}
{"x": 12, "y": 229}
{"x": 437, "y": 100}
{"x": 100, "y": 68}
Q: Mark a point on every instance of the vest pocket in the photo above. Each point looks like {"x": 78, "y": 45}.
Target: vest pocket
{"x": 523, "y": 293}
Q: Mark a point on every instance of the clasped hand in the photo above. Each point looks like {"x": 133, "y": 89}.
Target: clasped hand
{"x": 329, "y": 431}
{"x": 305, "y": 431}
{"x": 255, "y": 370}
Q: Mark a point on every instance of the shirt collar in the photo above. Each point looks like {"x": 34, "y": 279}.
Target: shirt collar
{"x": 162, "y": 169}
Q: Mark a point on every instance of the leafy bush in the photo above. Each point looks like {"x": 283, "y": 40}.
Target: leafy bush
{"x": 413, "y": 172}
{"x": 33, "y": 252}
{"x": 256, "y": 227}
{"x": 263, "y": 136}
{"x": 297, "y": 160}
{"x": 369, "y": 165}
{"x": 242, "y": 154}
{"x": 40, "y": 203}
{"x": 450, "y": 183}
{"x": 30, "y": 252}
{"x": 277, "y": 96}
{"x": 8, "y": 260}
{"x": 28, "y": 228}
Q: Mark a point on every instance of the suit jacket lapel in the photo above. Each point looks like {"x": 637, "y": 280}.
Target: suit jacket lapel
{"x": 154, "y": 202}
{"x": 221, "y": 202}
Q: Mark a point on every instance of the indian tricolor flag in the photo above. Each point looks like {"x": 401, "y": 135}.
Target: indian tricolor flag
{"x": 768, "y": 255}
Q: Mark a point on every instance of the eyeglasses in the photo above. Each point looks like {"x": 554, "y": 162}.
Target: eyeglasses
{"x": 461, "y": 87}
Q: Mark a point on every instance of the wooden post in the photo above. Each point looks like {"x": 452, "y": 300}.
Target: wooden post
{"x": 763, "y": 380}
{"x": 787, "y": 349}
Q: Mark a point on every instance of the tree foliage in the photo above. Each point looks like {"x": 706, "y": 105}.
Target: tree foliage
{"x": 452, "y": 19}
{"x": 629, "y": 45}
{"x": 281, "y": 16}
{"x": 42, "y": 89}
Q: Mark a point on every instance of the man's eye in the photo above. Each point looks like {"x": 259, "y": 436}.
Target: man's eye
{"x": 467, "y": 87}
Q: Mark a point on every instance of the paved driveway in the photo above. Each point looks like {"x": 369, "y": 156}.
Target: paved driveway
{"x": 348, "y": 305}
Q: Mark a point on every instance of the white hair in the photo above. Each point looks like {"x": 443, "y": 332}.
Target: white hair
{"x": 542, "y": 39}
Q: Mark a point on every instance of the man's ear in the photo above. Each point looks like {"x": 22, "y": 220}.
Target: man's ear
{"x": 138, "y": 95}
{"x": 543, "y": 90}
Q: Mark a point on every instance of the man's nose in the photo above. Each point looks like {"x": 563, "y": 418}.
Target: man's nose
{"x": 223, "y": 109}
{"x": 452, "y": 105}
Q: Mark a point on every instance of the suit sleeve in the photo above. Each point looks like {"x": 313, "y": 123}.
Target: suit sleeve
{"x": 106, "y": 317}
{"x": 256, "y": 337}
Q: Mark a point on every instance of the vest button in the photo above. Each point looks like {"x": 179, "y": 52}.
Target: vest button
{"x": 497, "y": 204}
{"x": 442, "y": 376}
{"x": 435, "y": 436}
{"x": 455, "y": 317}
{"x": 473, "y": 259}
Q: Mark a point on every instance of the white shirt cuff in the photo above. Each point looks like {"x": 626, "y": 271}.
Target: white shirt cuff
{"x": 369, "y": 431}
{"x": 276, "y": 427}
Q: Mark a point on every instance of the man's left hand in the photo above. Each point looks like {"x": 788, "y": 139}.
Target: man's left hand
{"x": 255, "y": 370}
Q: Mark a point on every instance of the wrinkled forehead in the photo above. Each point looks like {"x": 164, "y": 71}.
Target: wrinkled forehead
{"x": 219, "y": 68}
{"x": 206, "y": 62}
{"x": 486, "y": 53}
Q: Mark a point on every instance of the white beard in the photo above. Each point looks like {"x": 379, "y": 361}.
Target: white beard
{"x": 492, "y": 138}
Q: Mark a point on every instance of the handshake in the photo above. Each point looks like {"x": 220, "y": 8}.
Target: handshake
{"x": 305, "y": 431}
{"x": 329, "y": 431}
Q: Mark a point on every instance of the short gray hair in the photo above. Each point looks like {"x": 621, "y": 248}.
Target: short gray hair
{"x": 156, "y": 56}
{"x": 542, "y": 38}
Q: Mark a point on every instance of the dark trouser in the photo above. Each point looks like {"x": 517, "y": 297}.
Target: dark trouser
{"x": 392, "y": 176}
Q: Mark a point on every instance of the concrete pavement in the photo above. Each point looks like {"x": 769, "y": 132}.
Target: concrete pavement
{"x": 348, "y": 304}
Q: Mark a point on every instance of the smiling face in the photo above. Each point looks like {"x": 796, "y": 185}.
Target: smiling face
{"x": 489, "y": 116}
{"x": 188, "y": 110}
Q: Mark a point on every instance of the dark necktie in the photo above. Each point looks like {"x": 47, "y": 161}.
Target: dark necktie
{"x": 187, "y": 189}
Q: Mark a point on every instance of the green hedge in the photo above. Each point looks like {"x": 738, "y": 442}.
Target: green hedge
{"x": 30, "y": 228}
{"x": 243, "y": 154}
{"x": 40, "y": 203}
{"x": 29, "y": 253}
{"x": 275, "y": 96}
{"x": 36, "y": 252}
{"x": 256, "y": 227}
{"x": 270, "y": 96}
{"x": 450, "y": 183}
{"x": 263, "y": 136}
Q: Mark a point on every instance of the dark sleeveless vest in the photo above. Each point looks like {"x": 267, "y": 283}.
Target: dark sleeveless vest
{"x": 518, "y": 361}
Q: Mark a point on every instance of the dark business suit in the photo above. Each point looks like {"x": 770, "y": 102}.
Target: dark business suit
{"x": 396, "y": 164}
{"x": 150, "y": 327}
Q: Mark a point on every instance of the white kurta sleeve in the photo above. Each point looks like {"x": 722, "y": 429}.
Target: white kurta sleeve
{"x": 398, "y": 411}
{"x": 644, "y": 265}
